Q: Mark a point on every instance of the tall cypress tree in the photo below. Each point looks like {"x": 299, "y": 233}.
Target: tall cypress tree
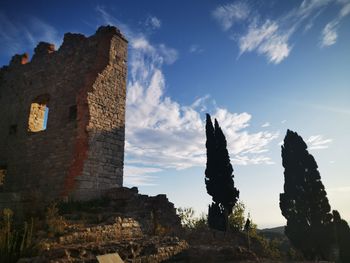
{"x": 342, "y": 236}
{"x": 219, "y": 177}
{"x": 304, "y": 202}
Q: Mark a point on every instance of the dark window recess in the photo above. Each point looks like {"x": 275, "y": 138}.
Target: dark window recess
{"x": 13, "y": 129}
{"x": 73, "y": 112}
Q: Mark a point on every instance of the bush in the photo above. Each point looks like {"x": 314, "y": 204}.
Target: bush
{"x": 236, "y": 220}
{"x": 189, "y": 221}
{"x": 186, "y": 215}
{"x": 54, "y": 222}
{"x": 15, "y": 243}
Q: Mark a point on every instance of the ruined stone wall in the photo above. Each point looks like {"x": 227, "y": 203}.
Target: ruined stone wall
{"x": 80, "y": 153}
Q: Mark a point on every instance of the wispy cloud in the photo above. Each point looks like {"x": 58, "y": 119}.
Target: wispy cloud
{"x": 136, "y": 175}
{"x": 266, "y": 124}
{"x": 164, "y": 134}
{"x": 19, "y": 36}
{"x": 267, "y": 40}
{"x": 329, "y": 33}
{"x": 106, "y": 18}
{"x": 153, "y": 22}
{"x": 229, "y": 14}
{"x": 271, "y": 37}
{"x": 317, "y": 142}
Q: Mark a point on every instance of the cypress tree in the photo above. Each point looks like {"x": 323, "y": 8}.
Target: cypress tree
{"x": 342, "y": 236}
{"x": 219, "y": 177}
{"x": 304, "y": 202}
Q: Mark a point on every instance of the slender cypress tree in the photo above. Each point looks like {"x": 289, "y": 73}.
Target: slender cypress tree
{"x": 342, "y": 235}
{"x": 219, "y": 177}
{"x": 304, "y": 202}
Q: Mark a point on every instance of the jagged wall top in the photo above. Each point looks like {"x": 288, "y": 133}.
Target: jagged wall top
{"x": 70, "y": 41}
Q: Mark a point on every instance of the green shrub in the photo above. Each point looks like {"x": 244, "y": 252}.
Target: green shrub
{"x": 186, "y": 215}
{"x": 236, "y": 220}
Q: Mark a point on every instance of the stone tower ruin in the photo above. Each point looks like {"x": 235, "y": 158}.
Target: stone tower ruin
{"x": 63, "y": 119}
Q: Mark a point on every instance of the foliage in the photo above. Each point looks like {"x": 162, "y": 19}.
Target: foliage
{"x": 217, "y": 218}
{"x": 186, "y": 215}
{"x": 264, "y": 247}
{"x": 304, "y": 202}
{"x": 55, "y": 223}
{"x": 342, "y": 233}
{"x": 201, "y": 222}
{"x": 188, "y": 219}
{"x": 14, "y": 243}
{"x": 236, "y": 219}
{"x": 219, "y": 177}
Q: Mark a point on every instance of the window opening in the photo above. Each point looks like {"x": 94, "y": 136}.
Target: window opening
{"x": 39, "y": 113}
{"x": 73, "y": 112}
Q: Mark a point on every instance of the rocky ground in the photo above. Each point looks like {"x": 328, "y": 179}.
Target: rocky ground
{"x": 137, "y": 227}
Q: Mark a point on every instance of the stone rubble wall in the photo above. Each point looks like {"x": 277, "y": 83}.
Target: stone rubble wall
{"x": 155, "y": 213}
{"x": 122, "y": 229}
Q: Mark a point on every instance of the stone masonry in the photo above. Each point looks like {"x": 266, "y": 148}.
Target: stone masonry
{"x": 63, "y": 119}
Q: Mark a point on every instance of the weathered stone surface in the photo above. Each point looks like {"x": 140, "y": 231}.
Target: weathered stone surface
{"x": 80, "y": 153}
{"x": 155, "y": 213}
{"x": 83, "y": 241}
{"x": 110, "y": 258}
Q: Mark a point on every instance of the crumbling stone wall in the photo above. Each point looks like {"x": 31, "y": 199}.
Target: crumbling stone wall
{"x": 79, "y": 152}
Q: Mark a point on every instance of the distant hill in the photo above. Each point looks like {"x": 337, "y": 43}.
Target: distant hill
{"x": 277, "y": 230}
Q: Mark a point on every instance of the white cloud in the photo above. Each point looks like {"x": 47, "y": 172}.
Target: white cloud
{"x": 329, "y": 32}
{"x": 266, "y": 124}
{"x": 317, "y": 142}
{"x": 271, "y": 37}
{"x": 167, "y": 134}
{"x": 162, "y": 133}
{"x": 19, "y": 36}
{"x": 345, "y": 10}
{"x": 134, "y": 175}
{"x": 153, "y": 22}
{"x": 170, "y": 55}
{"x": 228, "y": 14}
{"x": 283, "y": 121}
{"x": 266, "y": 40}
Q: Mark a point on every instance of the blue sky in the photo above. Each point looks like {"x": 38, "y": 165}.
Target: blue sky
{"x": 259, "y": 67}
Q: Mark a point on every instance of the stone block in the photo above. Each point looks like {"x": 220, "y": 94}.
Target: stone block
{"x": 109, "y": 258}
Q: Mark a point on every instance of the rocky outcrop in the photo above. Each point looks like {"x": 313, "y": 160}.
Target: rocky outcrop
{"x": 139, "y": 228}
{"x": 83, "y": 244}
